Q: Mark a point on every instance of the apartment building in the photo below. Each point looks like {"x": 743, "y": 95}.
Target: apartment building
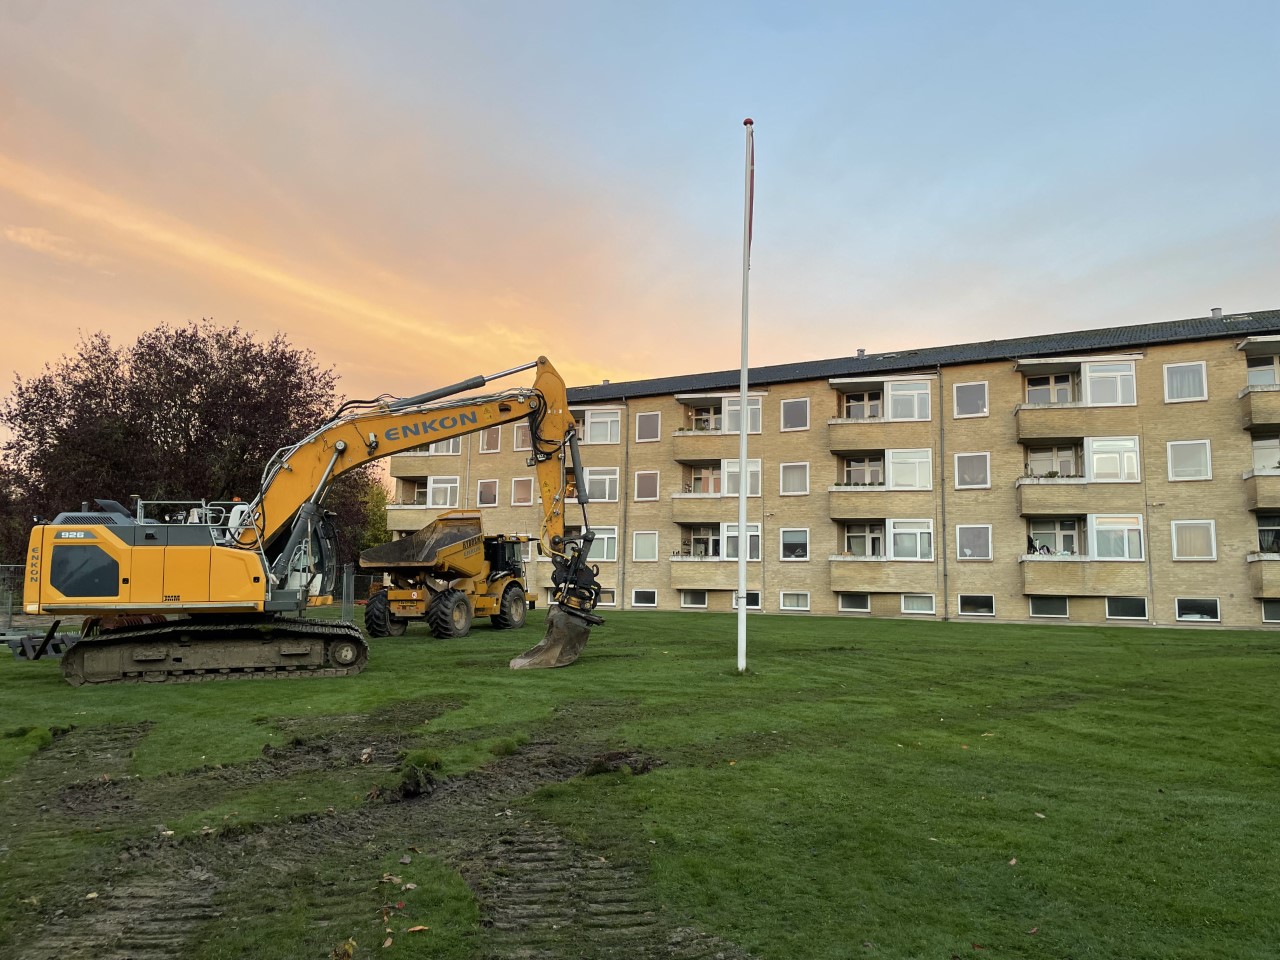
{"x": 1128, "y": 475}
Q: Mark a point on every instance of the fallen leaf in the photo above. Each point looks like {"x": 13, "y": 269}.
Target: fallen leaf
{"x": 344, "y": 951}
{"x": 417, "y": 929}
{"x": 406, "y": 859}
{"x": 410, "y": 886}
{"x": 733, "y": 763}
{"x": 988, "y": 734}
{"x": 91, "y": 896}
{"x": 1013, "y": 862}
{"x": 415, "y": 850}
{"x": 1033, "y": 931}
{"x": 964, "y": 746}
{"x": 386, "y": 943}
{"x": 1040, "y": 815}
{"x": 389, "y": 878}
{"x": 977, "y": 946}
{"x": 399, "y": 904}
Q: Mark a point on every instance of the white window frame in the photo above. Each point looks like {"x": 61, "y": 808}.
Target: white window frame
{"x": 635, "y": 550}
{"x": 891, "y": 531}
{"x": 1093, "y": 524}
{"x": 729, "y": 468}
{"x": 446, "y": 448}
{"x": 644, "y": 606}
{"x": 657, "y": 433}
{"x": 686, "y": 605}
{"x": 974, "y": 526}
{"x": 731, "y": 407}
{"x": 1177, "y": 611}
{"x": 871, "y": 531}
{"x": 901, "y": 387}
{"x": 733, "y": 600}
{"x": 480, "y": 484}
{"x": 782, "y": 601}
{"x": 610, "y": 419}
{"x": 496, "y": 433}
{"x": 986, "y": 457}
{"x": 960, "y": 611}
{"x": 1275, "y": 605}
{"x": 1208, "y": 459}
{"x": 782, "y": 414}
{"x": 842, "y": 608}
{"x": 891, "y": 481}
{"x": 933, "y": 605}
{"x": 1213, "y": 538}
{"x": 607, "y": 541}
{"x": 782, "y": 545}
{"x": 1090, "y": 474}
{"x": 606, "y": 475}
{"x": 1146, "y": 606}
{"x": 955, "y": 400}
{"x": 1031, "y": 608}
{"x": 443, "y": 484}
{"x": 782, "y": 471}
{"x": 532, "y": 492}
{"x": 1204, "y": 381}
{"x": 1087, "y": 376}
{"x": 608, "y": 597}
{"x": 517, "y": 429}
{"x": 754, "y": 538}
{"x": 657, "y": 486}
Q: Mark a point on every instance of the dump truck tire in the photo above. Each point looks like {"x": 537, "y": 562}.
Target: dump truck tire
{"x": 396, "y": 626}
{"x": 512, "y": 610}
{"x": 377, "y": 615}
{"x": 450, "y": 615}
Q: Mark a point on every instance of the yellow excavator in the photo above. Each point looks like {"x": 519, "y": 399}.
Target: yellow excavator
{"x": 213, "y": 590}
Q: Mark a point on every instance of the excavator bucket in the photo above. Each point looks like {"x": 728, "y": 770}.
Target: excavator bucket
{"x": 562, "y": 644}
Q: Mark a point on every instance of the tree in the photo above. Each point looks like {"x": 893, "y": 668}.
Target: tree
{"x": 184, "y": 413}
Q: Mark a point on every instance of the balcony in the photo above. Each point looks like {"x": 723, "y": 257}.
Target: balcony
{"x": 703, "y": 446}
{"x": 861, "y": 503}
{"x": 1262, "y": 490}
{"x": 878, "y": 433}
{"x": 1050, "y": 496}
{"x": 709, "y": 508}
{"x": 414, "y": 465}
{"x": 1264, "y": 574}
{"x": 1056, "y": 576}
{"x": 410, "y": 517}
{"x": 1260, "y": 407}
{"x": 1049, "y": 423}
{"x": 876, "y": 575}
{"x": 711, "y": 573}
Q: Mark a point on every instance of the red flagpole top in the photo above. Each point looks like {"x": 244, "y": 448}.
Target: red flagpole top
{"x": 748, "y": 122}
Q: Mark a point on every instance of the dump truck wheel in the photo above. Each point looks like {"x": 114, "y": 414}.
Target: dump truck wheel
{"x": 450, "y": 615}
{"x": 396, "y": 626}
{"x": 512, "y": 610}
{"x": 377, "y": 615}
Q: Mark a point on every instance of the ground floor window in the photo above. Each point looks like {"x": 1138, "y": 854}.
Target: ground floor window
{"x": 608, "y": 598}
{"x": 1049, "y": 606}
{"x": 644, "y": 598}
{"x": 1190, "y": 608}
{"x": 793, "y": 601}
{"x": 977, "y": 605}
{"x": 1126, "y": 608}
{"x": 854, "y": 603}
{"x": 1271, "y": 611}
{"x": 753, "y": 600}
{"x": 693, "y": 598}
{"x": 917, "y": 603}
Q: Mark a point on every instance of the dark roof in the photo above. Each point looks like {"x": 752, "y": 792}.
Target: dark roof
{"x": 1259, "y": 322}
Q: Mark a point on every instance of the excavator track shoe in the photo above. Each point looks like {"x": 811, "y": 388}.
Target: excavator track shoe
{"x": 562, "y": 644}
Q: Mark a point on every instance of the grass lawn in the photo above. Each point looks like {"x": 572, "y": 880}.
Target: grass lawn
{"x": 870, "y": 788}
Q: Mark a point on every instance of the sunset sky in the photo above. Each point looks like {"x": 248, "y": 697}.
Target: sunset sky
{"x": 420, "y": 192}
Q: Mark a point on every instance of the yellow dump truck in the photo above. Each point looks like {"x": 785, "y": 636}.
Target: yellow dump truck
{"x": 448, "y": 573}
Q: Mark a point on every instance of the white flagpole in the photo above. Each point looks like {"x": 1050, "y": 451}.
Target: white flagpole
{"x": 744, "y": 541}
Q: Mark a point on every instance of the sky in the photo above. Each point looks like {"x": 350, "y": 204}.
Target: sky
{"x": 419, "y": 192}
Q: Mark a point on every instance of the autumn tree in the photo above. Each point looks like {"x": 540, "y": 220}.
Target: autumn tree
{"x": 184, "y": 413}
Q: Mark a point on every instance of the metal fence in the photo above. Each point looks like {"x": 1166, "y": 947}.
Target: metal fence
{"x": 10, "y": 595}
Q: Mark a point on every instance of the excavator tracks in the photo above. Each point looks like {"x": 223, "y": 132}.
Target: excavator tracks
{"x": 199, "y": 650}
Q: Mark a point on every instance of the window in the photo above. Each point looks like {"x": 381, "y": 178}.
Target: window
{"x": 608, "y": 598}
{"x": 602, "y": 484}
{"x": 973, "y": 470}
{"x": 487, "y": 493}
{"x": 1264, "y": 371}
{"x": 521, "y": 439}
{"x": 1055, "y": 536}
{"x": 644, "y": 598}
{"x": 695, "y": 599}
{"x": 1049, "y": 606}
{"x": 794, "y": 479}
{"x": 705, "y": 480}
{"x": 605, "y": 545}
{"x": 1268, "y": 533}
{"x": 1194, "y": 540}
{"x": 864, "y": 539}
{"x": 1266, "y": 453}
{"x": 648, "y": 427}
{"x": 917, "y": 603}
{"x": 1190, "y": 460}
{"x": 1271, "y": 611}
{"x": 1126, "y": 608}
{"x": 733, "y": 414}
{"x": 1062, "y": 461}
{"x": 450, "y": 447}
{"x": 753, "y": 600}
{"x": 731, "y": 541}
{"x": 1111, "y": 459}
{"x": 1185, "y": 381}
{"x": 646, "y": 484}
{"x": 853, "y": 602}
{"x": 973, "y": 542}
{"x": 909, "y": 400}
{"x": 971, "y": 399}
{"x": 598, "y": 426}
{"x": 490, "y": 439}
{"x": 644, "y": 546}
{"x": 911, "y": 540}
{"x": 795, "y": 414}
{"x": 704, "y": 542}
{"x": 442, "y": 491}
{"x": 1116, "y": 537}
{"x": 731, "y": 479}
{"x": 864, "y": 471}
{"x": 910, "y": 469}
{"x": 421, "y": 492}
{"x": 1109, "y": 384}
{"x": 1189, "y": 608}
{"x": 1054, "y": 388}
{"x": 707, "y": 417}
{"x": 866, "y": 405}
{"x": 795, "y": 544}
{"x": 977, "y": 605}
{"x": 522, "y": 492}
{"x": 793, "y": 601}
